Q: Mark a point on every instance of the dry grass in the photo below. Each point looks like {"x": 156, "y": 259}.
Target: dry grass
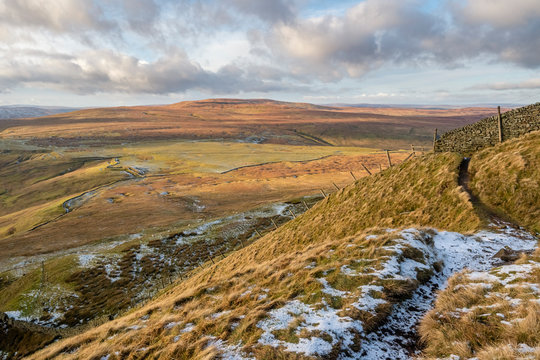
{"x": 487, "y": 315}
{"x": 181, "y": 177}
{"x": 285, "y": 265}
{"x": 271, "y": 122}
{"x": 228, "y": 300}
{"x": 507, "y": 179}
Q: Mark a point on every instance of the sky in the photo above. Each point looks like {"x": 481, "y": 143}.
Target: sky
{"x": 82, "y": 53}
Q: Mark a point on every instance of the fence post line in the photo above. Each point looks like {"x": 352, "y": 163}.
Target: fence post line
{"x": 354, "y": 177}
{"x": 365, "y": 168}
{"x": 337, "y": 187}
{"x": 388, "y": 156}
{"x": 434, "y": 139}
{"x": 500, "y": 124}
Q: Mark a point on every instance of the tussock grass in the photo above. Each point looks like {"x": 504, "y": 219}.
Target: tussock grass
{"x": 506, "y": 178}
{"x": 227, "y": 300}
{"x": 487, "y": 315}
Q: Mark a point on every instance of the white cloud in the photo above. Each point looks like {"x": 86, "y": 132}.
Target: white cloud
{"x": 235, "y": 46}
{"x": 526, "y": 84}
{"x": 498, "y": 13}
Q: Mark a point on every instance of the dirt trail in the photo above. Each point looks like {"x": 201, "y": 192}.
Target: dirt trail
{"x": 463, "y": 181}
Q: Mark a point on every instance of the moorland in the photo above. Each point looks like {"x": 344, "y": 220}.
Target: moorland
{"x": 103, "y": 208}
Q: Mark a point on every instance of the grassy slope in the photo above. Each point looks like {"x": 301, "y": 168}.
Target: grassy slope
{"x": 484, "y": 321}
{"x": 488, "y": 316}
{"x": 423, "y": 191}
{"x": 507, "y": 179}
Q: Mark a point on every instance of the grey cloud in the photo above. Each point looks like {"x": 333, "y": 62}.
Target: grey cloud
{"x": 62, "y": 16}
{"x": 366, "y": 36}
{"x": 523, "y": 85}
{"x": 496, "y": 13}
{"x": 270, "y": 11}
{"x": 377, "y": 32}
{"x": 107, "y": 71}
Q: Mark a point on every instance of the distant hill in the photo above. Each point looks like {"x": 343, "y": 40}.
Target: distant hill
{"x": 246, "y": 120}
{"x": 28, "y": 111}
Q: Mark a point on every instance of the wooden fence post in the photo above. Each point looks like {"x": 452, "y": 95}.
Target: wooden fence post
{"x": 434, "y": 139}
{"x": 408, "y": 157}
{"x": 414, "y": 152}
{"x": 337, "y": 187}
{"x": 323, "y": 194}
{"x": 500, "y": 125}
{"x": 380, "y": 167}
{"x": 294, "y": 216}
{"x": 388, "y": 156}
{"x": 354, "y": 177}
{"x": 365, "y": 168}
{"x": 305, "y": 205}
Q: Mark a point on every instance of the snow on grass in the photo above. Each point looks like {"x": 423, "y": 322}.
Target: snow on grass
{"x": 87, "y": 260}
{"x": 17, "y": 315}
{"x": 228, "y": 352}
{"x": 325, "y": 320}
{"x": 315, "y": 329}
{"x": 187, "y": 328}
{"x": 457, "y": 252}
{"x": 327, "y": 289}
{"x": 367, "y": 302}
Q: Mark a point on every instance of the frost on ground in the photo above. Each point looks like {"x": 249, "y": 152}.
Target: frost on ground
{"x": 320, "y": 329}
{"x": 497, "y": 308}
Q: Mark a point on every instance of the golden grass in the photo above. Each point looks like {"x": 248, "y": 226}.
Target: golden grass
{"x": 285, "y": 265}
{"x": 187, "y": 172}
{"x": 486, "y": 319}
{"x": 275, "y": 122}
{"x": 507, "y": 179}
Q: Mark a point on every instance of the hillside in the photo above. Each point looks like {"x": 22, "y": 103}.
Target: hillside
{"x": 256, "y": 121}
{"x": 494, "y": 314}
{"x": 27, "y": 111}
{"x": 506, "y": 178}
{"x": 283, "y": 296}
{"x": 246, "y": 274}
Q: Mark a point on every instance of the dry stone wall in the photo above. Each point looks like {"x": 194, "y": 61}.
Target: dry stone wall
{"x": 485, "y": 133}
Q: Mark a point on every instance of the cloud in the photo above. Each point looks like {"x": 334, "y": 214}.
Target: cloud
{"x": 527, "y": 84}
{"x": 374, "y": 33}
{"x": 61, "y": 16}
{"x": 107, "y": 71}
{"x": 368, "y": 35}
{"x": 171, "y": 46}
{"x": 497, "y": 13}
{"x": 269, "y": 11}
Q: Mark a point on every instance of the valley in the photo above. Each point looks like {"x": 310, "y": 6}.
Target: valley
{"x": 96, "y": 222}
